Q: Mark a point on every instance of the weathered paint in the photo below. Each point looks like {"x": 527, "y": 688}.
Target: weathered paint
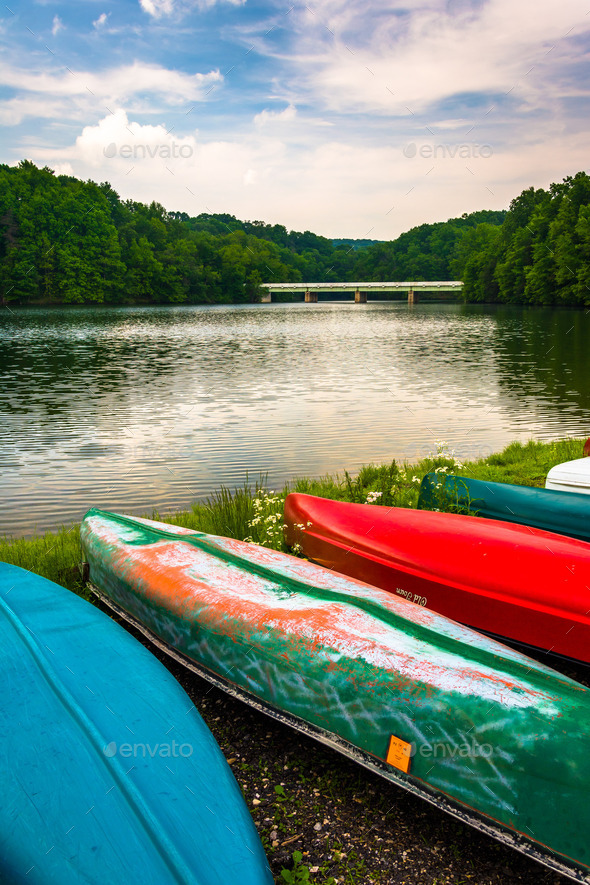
{"x": 357, "y": 663}
{"x": 509, "y": 580}
{"x": 566, "y": 513}
{"x": 109, "y": 775}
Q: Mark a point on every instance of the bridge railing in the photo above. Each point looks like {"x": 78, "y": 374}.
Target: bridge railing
{"x": 361, "y": 290}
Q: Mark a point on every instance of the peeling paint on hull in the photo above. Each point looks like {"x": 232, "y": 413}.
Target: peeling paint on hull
{"x": 353, "y": 665}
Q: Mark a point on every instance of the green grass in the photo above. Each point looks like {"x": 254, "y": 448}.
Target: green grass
{"x": 524, "y": 464}
{"x": 55, "y": 555}
{"x": 255, "y": 513}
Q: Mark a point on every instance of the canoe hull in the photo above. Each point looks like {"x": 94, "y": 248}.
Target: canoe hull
{"x": 565, "y": 513}
{"x": 572, "y": 477}
{"x": 106, "y": 779}
{"x": 469, "y": 816}
{"x": 361, "y": 671}
{"x": 511, "y": 581}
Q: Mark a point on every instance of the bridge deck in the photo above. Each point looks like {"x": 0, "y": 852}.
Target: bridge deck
{"x": 417, "y": 285}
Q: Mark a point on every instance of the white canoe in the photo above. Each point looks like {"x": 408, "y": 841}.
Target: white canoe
{"x": 571, "y": 476}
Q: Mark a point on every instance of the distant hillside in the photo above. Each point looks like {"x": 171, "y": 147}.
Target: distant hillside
{"x": 356, "y": 244}
{"x": 423, "y": 253}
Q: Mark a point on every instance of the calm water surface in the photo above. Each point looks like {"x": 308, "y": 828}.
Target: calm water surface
{"x": 139, "y": 408}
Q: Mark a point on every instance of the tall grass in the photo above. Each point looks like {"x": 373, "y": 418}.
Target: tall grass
{"x": 55, "y": 555}
{"x": 255, "y": 513}
{"x": 252, "y": 514}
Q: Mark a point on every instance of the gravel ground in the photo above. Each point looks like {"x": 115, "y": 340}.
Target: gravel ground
{"x": 350, "y": 825}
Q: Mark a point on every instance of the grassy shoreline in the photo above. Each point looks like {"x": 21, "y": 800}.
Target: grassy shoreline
{"x": 254, "y": 512}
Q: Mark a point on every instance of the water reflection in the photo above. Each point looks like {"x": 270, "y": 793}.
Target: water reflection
{"x": 135, "y": 408}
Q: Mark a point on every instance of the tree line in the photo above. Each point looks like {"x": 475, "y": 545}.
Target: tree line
{"x": 540, "y": 254}
{"x": 66, "y": 241}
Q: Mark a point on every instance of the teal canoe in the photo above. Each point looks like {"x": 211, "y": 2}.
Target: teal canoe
{"x": 108, "y": 775}
{"x": 481, "y": 731}
{"x": 565, "y": 513}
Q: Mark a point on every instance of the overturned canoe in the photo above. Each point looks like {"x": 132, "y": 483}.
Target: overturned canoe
{"x": 572, "y": 477}
{"x": 566, "y": 513}
{"x": 511, "y": 581}
{"x": 109, "y": 775}
{"x": 473, "y": 727}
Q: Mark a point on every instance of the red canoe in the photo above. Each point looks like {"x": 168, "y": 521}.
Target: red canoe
{"x": 511, "y": 581}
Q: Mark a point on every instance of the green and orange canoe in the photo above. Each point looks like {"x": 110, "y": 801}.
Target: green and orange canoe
{"x": 483, "y": 732}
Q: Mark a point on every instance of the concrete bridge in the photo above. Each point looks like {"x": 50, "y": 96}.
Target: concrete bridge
{"x": 361, "y": 290}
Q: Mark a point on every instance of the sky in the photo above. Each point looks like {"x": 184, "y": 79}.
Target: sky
{"x": 350, "y": 118}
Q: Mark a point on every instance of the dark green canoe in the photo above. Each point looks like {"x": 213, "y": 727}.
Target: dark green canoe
{"x": 566, "y": 513}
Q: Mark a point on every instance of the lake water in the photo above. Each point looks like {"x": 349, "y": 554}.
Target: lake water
{"x": 138, "y": 408}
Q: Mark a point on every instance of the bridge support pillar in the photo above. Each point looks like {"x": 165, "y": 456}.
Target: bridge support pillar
{"x": 360, "y": 297}
{"x": 311, "y": 297}
{"x": 413, "y": 297}
{"x": 266, "y": 298}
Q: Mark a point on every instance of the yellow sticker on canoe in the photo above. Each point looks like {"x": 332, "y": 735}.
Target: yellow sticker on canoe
{"x": 399, "y": 754}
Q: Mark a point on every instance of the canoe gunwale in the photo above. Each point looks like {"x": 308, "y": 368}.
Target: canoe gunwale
{"x": 484, "y": 824}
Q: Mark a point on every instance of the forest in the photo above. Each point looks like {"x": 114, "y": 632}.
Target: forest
{"x": 66, "y": 241}
{"x": 540, "y": 254}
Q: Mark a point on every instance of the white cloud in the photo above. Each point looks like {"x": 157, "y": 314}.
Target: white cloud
{"x": 160, "y": 8}
{"x": 117, "y": 138}
{"x": 157, "y": 8}
{"x": 100, "y": 21}
{"x": 63, "y": 169}
{"x": 285, "y": 116}
{"x": 356, "y": 57}
{"x": 57, "y": 26}
{"x": 116, "y": 83}
{"x": 76, "y": 94}
{"x": 14, "y": 110}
